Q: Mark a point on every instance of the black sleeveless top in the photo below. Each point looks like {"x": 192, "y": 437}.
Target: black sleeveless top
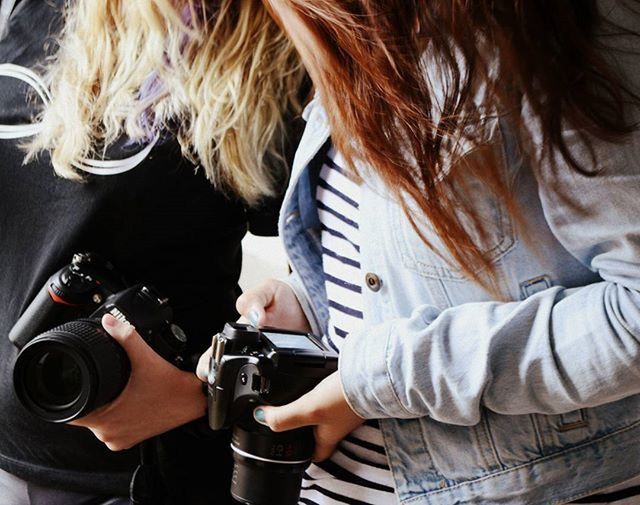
{"x": 161, "y": 223}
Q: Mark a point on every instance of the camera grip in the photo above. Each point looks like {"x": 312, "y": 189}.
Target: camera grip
{"x": 42, "y": 314}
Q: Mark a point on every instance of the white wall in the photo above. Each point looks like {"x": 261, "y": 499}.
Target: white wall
{"x": 263, "y": 257}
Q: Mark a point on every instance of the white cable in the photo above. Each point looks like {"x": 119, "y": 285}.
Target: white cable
{"x": 96, "y": 167}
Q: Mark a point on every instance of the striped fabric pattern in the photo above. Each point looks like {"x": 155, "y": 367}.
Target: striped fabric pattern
{"x": 358, "y": 472}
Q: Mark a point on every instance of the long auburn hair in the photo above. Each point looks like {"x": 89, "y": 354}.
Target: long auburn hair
{"x": 428, "y": 135}
{"x": 219, "y": 74}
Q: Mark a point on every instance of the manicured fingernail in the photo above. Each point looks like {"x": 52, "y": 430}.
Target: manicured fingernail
{"x": 258, "y": 415}
{"x": 110, "y": 321}
{"x": 254, "y": 317}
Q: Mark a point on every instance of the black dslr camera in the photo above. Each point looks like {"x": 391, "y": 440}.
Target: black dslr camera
{"x": 251, "y": 367}
{"x": 68, "y": 364}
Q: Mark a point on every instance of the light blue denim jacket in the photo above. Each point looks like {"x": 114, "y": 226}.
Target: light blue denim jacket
{"x": 535, "y": 400}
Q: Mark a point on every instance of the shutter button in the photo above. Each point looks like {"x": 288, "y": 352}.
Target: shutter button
{"x": 373, "y": 282}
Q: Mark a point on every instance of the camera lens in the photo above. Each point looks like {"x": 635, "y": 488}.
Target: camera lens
{"x": 67, "y": 372}
{"x": 54, "y": 379}
{"x": 268, "y": 467}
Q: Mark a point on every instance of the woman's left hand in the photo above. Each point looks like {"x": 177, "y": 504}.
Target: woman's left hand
{"x": 324, "y": 407}
{"x": 157, "y": 398}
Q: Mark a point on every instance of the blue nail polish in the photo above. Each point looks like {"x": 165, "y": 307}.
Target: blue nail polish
{"x": 254, "y": 317}
{"x": 258, "y": 415}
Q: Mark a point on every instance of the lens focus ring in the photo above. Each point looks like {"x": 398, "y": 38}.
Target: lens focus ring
{"x": 69, "y": 371}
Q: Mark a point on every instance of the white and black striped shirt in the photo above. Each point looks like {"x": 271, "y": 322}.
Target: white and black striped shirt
{"x": 358, "y": 472}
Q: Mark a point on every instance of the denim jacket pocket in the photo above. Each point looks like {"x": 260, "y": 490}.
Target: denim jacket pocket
{"x": 562, "y": 431}
{"x": 497, "y": 236}
{"x": 436, "y": 262}
{"x": 447, "y": 443}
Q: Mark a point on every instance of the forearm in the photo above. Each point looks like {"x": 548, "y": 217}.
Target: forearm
{"x": 554, "y": 352}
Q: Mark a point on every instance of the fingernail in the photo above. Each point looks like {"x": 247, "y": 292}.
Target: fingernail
{"x": 110, "y": 321}
{"x": 254, "y": 317}
{"x": 259, "y": 415}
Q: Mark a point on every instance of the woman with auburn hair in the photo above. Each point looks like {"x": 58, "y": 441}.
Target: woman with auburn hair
{"x": 463, "y": 226}
{"x": 154, "y": 128}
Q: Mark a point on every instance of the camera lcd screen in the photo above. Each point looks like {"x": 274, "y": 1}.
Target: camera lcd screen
{"x": 291, "y": 341}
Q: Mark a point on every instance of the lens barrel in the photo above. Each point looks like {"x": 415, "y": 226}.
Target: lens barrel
{"x": 268, "y": 466}
{"x": 69, "y": 371}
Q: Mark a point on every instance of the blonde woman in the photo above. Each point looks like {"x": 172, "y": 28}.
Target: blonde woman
{"x": 153, "y": 128}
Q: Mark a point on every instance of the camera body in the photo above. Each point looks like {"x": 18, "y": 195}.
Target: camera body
{"x": 68, "y": 364}
{"x": 74, "y": 291}
{"x": 251, "y": 367}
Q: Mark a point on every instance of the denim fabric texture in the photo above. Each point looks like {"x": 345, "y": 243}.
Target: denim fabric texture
{"x": 532, "y": 400}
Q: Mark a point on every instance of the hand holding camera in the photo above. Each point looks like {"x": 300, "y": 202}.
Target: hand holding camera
{"x": 157, "y": 398}
{"x": 272, "y": 303}
{"x": 251, "y": 367}
{"x": 324, "y": 407}
{"x": 275, "y": 304}
{"x": 112, "y": 380}
{"x": 99, "y": 354}
{"x": 265, "y": 480}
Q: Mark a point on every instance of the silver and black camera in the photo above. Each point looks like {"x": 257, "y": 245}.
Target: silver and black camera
{"x": 266, "y": 366}
{"x": 68, "y": 364}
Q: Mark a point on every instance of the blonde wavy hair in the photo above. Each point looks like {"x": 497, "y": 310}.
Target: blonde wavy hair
{"x": 220, "y": 74}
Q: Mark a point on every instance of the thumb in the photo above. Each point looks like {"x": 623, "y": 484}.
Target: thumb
{"x": 284, "y": 418}
{"x": 202, "y": 371}
{"x": 127, "y": 336}
{"x": 252, "y": 303}
{"x": 255, "y": 316}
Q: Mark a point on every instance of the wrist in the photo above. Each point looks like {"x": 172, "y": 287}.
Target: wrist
{"x": 191, "y": 403}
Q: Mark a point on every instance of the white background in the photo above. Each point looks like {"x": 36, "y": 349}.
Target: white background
{"x": 263, "y": 257}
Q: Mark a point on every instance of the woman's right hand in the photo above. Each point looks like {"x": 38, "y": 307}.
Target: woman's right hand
{"x": 271, "y": 303}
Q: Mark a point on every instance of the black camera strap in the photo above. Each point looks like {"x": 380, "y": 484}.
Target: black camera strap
{"x": 145, "y": 482}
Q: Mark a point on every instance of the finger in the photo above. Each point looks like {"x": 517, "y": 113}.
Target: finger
{"x": 202, "y": 371}
{"x": 119, "y": 330}
{"x": 287, "y": 417}
{"x": 127, "y": 336}
{"x": 82, "y": 422}
{"x": 323, "y": 452}
{"x": 111, "y": 440}
{"x": 90, "y": 419}
{"x": 253, "y": 302}
{"x": 325, "y": 444}
{"x": 329, "y": 435}
{"x": 254, "y": 313}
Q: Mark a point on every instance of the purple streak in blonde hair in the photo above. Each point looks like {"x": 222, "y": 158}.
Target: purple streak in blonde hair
{"x": 153, "y": 86}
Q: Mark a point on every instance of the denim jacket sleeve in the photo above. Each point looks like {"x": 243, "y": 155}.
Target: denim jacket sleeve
{"x": 557, "y": 351}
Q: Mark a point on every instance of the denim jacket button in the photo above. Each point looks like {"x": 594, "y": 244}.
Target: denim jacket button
{"x": 373, "y": 282}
